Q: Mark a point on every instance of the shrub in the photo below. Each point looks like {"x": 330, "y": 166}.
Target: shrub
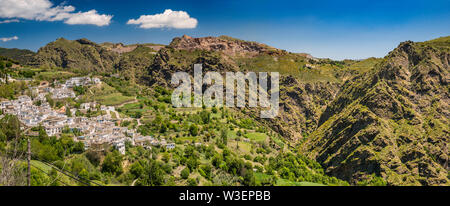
{"x": 185, "y": 173}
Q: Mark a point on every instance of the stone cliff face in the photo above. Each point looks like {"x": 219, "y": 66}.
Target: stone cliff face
{"x": 300, "y": 107}
{"x": 391, "y": 122}
{"x": 223, "y": 44}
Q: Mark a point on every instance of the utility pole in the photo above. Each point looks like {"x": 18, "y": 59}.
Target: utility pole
{"x": 29, "y": 161}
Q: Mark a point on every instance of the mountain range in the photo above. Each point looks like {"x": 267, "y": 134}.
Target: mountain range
{"x": 385, "y": 117}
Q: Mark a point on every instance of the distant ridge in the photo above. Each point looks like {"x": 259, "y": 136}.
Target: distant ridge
{"x": 23, "y": 56}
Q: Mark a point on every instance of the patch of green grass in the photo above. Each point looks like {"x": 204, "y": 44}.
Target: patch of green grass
{"x": 284, "y": 182}
{"x": 277, "y": 141}
{"x": 261, "y": 177}
{"x": 188, "y": 138}
{"x": 365, "y": 65}
{"x": 41, "y": 165}
{"x": 106, "y": 95}
{"x": 113, "y": 99}
{"x": 256, "y": 136}
{"x": 245, "y": 146}
{"x": 442, "y": 43}
{"x": 131, "y": 106}
{"x": 230, "y": 134}
{"x": 54, "y": 75}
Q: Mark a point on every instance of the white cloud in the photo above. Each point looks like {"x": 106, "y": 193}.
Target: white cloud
{"x": 5, "y": 39}
{"x": 43, "y": 10}
{"x": 9, "y": 21}
{"x": 90, "y": 17}
{"x": 168, "y": 19}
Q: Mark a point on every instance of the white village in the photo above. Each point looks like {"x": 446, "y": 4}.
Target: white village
{"x": 95, "y": 132}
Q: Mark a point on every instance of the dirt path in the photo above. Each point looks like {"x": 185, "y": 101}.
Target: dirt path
{"x": 134, "y": 181}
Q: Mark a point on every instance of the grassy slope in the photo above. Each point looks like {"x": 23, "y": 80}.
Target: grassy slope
{"x": 106, "y": 95}
{"x": 47, "y": 169}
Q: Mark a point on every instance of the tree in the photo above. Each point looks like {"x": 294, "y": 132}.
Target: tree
{"x": 192, "y": 163}
{"x": 113, "y": 163}
{"x": 193, "y": 130}
{"x": 68, "y": 113}
{"x": 239, "y": 133}
{"x": 206, "y": 171}
{"x": 84, "y": 175}
{"x": 44, "y": 152}
{"x": 3, "y": 73}
{"x": 50, "y": 101}
{"x": 166, "y": 157}
{"x": 93, "y": 157}
{"x": 10, "y": 125}
{"x": 155, "y": 174}
{"x": 216, "y": 160}
{"x": 224, "y": 136}
{"x": 53, "y": 176}
{"x": 185, "y": 173}
{"x": 38, "y": 178}
{"x": 138, "y": 115}
{"x": 2, "y": 141}
{"x": 79, "y": 90}
{"x": 192, "y": 182}
{"x": 163, "y": 128}
{"x": 59, "y": 104}
{"x": 78, "y": 147}
{"x": 205, "y": 116}
{"x": 249, "y": 178}
{"x": 137, "y": 170}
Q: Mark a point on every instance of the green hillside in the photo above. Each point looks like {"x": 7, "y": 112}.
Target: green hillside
{"x": 376, "y": 121}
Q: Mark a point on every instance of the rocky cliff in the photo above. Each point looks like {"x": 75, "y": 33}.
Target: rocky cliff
{"x": 392, "y": 121}
{"x": 225, "y": 44}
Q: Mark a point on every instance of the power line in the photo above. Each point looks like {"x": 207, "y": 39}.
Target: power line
{"x": 70, "y": 174}
{"x": 63, "y": 165}
{"x": 66, "y": 173}
{"x": 89, "y": 181}
{"x": 63, "y": 171}
{"x": 49, "y": 175}
{"x": 28, "y": 161}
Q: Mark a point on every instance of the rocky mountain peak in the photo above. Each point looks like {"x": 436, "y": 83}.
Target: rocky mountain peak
{"x": 186, "y": 37}
{"x": 85, "y": 41}
{"x": 224, "y": 44}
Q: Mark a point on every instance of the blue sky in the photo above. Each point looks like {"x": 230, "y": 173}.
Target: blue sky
{"x": 333, "y": 29}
